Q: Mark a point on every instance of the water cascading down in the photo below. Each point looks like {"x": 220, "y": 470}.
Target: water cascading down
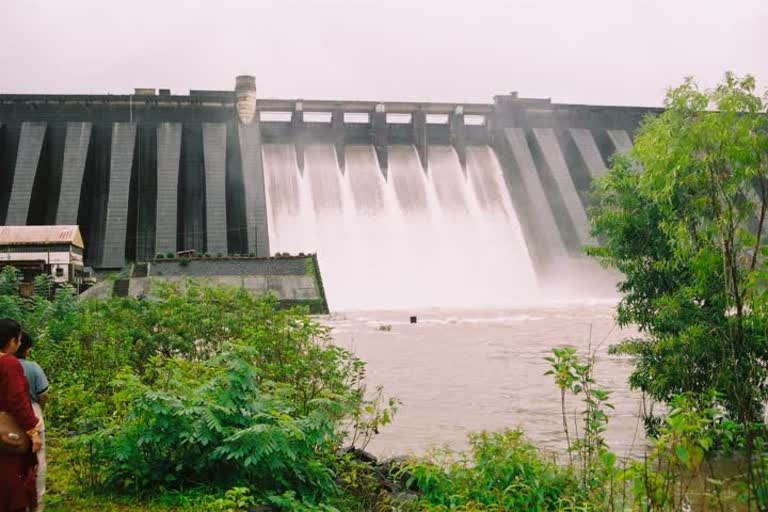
{"x": 405, "y": 237}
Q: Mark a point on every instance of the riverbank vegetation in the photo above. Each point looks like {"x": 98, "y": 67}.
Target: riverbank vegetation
{"x": 196, "y": 395}
{"x": 684, "y": 218}
{"x": 212, "y": 399}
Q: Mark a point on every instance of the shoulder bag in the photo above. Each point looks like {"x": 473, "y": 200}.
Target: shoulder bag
{"x": 13, "y": 440}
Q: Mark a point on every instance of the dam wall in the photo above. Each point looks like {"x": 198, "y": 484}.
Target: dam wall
{"x": 155, "y": 173}
{"x": 140, "y": 175}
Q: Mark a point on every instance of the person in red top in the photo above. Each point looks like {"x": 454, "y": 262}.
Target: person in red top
{"x": 17, "y": 472}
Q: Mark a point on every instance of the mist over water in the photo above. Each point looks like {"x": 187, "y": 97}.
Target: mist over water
{"x": 444, "y": 238}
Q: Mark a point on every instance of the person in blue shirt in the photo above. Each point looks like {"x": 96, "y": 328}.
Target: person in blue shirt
{"x": 38, "y": 391}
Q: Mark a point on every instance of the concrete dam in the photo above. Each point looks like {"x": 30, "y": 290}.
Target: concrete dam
{"x": 406, "y": 204}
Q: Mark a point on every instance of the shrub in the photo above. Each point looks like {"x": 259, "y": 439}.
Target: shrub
{"x": 183, "y": 261}
{"x": 210, "y": 381}
{"x": 218, "y": 423}
{"x": 170, "y": 255}
{"x": 501, "y": 471}
{"x": 159, "y": 256}
{"x": 690, "y": 246}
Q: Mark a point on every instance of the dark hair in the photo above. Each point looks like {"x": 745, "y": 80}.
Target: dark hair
{"x": 26, "y": 344}
{"x": 9, "y": 329}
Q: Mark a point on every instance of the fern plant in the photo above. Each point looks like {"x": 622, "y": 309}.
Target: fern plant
{"x": 218, "y": 424}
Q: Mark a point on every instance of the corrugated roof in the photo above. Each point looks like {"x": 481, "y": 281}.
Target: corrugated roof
{"x": 40, "y": 235}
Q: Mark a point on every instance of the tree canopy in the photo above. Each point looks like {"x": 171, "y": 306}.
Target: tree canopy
{"x": 683, "y": 218}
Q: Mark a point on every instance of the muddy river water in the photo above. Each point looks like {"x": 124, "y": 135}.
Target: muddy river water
{"x": 461, "y": 371}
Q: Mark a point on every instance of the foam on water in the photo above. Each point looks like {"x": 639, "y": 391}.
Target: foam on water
{"x": 442, "y": 238}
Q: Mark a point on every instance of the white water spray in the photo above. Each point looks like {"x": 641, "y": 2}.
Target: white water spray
{"x": 417, "y": 239}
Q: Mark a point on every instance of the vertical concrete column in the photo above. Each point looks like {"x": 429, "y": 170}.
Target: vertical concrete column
{"x": 76, "y": 146}
{"x": 27, "y": 160}
{"x": 588, "y": 150}
{"x": 622, "y": 142}
{"x": 215, "y": 158}
{"x": 419, "y": 122}
{"x": 120, "y": 168}
{"x": 553, "y": 156}
{"x": 546, "y": 236}
{"x": 339, "y": 139}
{"x": 297, "y": 131}
{"x": 379, "y": 135}
{"x": 459, "y": 135}
{"x": 255, "y": 192}
{"x": 168, "y": 159}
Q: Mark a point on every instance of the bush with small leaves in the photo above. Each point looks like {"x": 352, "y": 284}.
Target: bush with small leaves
{"x": 210, "y": 381}
{"x": 218, "y": 423}
{"x": 501, "y": 471}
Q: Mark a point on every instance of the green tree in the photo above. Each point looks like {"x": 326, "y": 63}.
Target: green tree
{"x": 683, "y": 218}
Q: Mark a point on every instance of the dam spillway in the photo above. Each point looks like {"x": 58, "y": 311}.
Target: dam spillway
{"x": 409, "y": 202}
{"x": 410, "y": 246}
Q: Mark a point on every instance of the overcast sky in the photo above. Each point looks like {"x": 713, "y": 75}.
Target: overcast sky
{"x": 623, "y": 52}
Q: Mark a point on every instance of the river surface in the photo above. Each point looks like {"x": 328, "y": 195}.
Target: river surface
{"x": 459, "y": 371}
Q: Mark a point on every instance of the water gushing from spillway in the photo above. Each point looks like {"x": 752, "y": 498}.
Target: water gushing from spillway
{"x": 416, "y": 239}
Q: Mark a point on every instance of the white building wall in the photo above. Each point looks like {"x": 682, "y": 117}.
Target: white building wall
{"x": 56, "y": 259}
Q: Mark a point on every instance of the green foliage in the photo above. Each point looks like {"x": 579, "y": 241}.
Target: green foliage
{"x": 290, "y": 502}
{"x": 43, "y": 286}
{"x": 236, "y": 499}
{"x": 502, "y": 471}
{"x": 220, "y": 424}
{"x": 183, "y": 261}
{"x": 363, "y": 488}
{"x": 562, "y": 362}
{"x": 679, "y": 470}
{"x": 213, "y": 399}
{"x": 373, "y": 415}
{"x": 574, "y": 375}
{"x": 314, "y": 306}
{"x": 198, "y": 388}
{"x": 683, "y": 219}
